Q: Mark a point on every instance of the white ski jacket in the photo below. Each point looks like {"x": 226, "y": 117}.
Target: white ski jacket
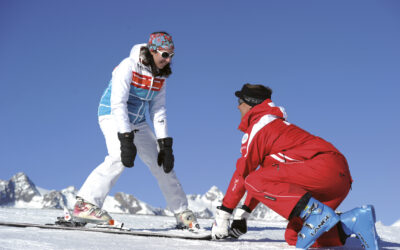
{"x": 131, "y": 88}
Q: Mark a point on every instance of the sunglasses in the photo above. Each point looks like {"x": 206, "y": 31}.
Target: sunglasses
{"x": 240, "y": 101}
{"x": 165, "y": 54}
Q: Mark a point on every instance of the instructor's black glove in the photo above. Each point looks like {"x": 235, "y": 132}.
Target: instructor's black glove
{"x": 128, "y": 149}
{"x": 238, "y": 228}
{"x": 239, "y": 223}
{"x": 165, "y": 156}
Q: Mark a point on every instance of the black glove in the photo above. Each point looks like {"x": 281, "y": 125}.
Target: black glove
{"x": 238, "y": 228}
{"x": 165, "y": 156}
{"x": 128, "y": 149}
{"x": 239, "y": 223}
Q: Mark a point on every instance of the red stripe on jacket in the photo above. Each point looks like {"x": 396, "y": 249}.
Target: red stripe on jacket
{"x": 144, "y": 82}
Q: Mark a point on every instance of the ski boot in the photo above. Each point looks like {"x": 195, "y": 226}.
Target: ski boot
{"x": 318, "y": 219}
{"x": 187, "y": 220}
{"x": 361, "y": 222}
{"x": 89, "y": 213}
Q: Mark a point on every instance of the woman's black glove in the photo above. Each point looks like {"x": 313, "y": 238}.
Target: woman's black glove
{"x": 165, "y": 156}
{"x": 128, "y": 148}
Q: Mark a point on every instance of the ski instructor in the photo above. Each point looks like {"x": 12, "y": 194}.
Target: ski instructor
{"x": 138, "y": 81}
{"x": 298, "y": 175}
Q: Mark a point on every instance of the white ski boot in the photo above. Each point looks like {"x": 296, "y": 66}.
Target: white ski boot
{"x": 187, "y": 220}
{"x": 89, "y": 213}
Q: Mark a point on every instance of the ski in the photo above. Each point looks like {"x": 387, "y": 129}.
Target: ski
{"x": 122, "y": 231}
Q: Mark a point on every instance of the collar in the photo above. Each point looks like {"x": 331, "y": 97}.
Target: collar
{"x": 267, "y": 107}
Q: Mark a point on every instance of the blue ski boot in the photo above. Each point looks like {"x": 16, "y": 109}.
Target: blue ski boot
{"x": 318, "y": 219}
{"x": 361, "y": 222}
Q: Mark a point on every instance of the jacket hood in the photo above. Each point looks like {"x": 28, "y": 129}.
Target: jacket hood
{"x": 265, "y": 108}
{"x": 135, "y": 51}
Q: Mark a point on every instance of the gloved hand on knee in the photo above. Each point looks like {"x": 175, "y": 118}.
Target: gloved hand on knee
{"x": 220, "y": 226}
{"x": 165, "y": 156}
{"x": 128, "y": 148}
{"x": 239, "y": 223}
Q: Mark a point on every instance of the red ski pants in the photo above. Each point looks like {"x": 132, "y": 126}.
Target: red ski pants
{"x": 281, "y": 185}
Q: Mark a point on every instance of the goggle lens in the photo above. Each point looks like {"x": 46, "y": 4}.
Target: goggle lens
{"x": 165, "y": 54}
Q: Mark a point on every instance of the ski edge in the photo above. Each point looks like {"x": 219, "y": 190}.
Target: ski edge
{"x": 109, "y": 231}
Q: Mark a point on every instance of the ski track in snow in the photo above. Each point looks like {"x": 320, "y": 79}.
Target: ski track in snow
{"x": 261, "y": 234}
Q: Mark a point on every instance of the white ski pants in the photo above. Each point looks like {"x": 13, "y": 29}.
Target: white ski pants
{"x": 102, "y": 179}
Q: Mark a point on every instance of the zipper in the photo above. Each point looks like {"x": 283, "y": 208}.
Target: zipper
{"x": 151, "y": 87}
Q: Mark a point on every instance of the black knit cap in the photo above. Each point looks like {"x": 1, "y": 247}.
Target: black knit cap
{"x": 254, "y": 94}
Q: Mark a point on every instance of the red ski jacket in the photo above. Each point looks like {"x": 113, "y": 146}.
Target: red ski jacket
{"x": 270, "y": 139}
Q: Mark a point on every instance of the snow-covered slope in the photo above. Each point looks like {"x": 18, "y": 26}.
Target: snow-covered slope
{"x": 19, "y": 195}
{"x": 262, "y": 234}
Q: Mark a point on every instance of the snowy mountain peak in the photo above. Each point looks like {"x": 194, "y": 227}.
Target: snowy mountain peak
{"x": 24, "y": 189}
{"x": 18, "y": 188}
{"x": 214, "y": 194}
{"x": 127, "y": 203}
{"x": 70, "y": 189}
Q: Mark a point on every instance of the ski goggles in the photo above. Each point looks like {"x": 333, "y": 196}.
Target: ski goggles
{"x": 165, "y": 54}
{"x": 250, "y": 100}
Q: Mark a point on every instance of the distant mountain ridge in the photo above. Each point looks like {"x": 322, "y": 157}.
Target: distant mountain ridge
{"x": 21, "y": 192}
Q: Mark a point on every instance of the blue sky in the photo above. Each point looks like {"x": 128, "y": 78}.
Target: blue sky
{"x": 334, "y": 66}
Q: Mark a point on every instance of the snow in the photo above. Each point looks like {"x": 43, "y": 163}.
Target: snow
{"x": 263, "y": 234}
{"x": 36, "y": 202}
{"x": 396, "y": 224}
{"x": 42, "y": 191}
